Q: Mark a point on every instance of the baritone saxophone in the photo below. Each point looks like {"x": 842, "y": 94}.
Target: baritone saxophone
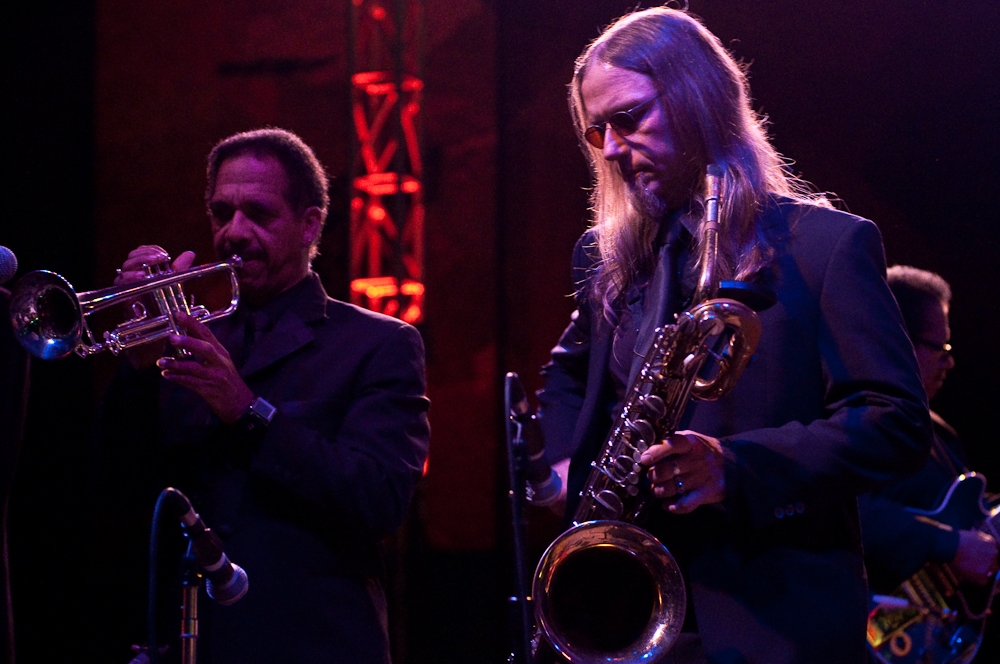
{"x": 606, "y": 590}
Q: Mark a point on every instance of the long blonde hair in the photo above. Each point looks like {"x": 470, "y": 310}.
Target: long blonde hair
{"x": 707, "y": 101}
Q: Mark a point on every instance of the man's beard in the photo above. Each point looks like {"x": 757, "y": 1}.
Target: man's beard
{"x": 644, "y": 201}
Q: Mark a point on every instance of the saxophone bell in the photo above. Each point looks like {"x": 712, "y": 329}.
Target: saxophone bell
{"x": 608, "y": 591}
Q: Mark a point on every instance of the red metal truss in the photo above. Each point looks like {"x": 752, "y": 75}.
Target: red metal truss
{"x": 387, "y": 220}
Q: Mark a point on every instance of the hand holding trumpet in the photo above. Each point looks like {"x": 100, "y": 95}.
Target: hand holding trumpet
{"x": 134, "y": 270}
{"x": 204, "y": 366}
{"x": 134, "y": 267}
{"x": 206, "y": 369}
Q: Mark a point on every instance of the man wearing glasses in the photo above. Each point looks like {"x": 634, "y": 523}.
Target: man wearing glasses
{"x": 897, "y": 541}
{"x": 759, "y": 488}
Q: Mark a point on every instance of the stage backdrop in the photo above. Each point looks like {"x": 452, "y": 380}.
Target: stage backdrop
{"x": 890, "y": 105}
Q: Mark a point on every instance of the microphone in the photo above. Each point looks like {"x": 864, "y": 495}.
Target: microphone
{"x": 8, "y": 264}
{"x": 544, "y": 483}
{"x": 226, "y": 581}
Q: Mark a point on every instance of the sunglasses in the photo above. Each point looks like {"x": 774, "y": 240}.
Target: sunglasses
{"x": 932, "y": 345}
{"x": 623, "y": 122}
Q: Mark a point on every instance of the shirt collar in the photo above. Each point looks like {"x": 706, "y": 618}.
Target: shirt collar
{"x": 675, "y": 224}
{"x": 293, "y": 298}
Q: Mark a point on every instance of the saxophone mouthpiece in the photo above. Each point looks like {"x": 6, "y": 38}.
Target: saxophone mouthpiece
{"x": 713, "y": 187}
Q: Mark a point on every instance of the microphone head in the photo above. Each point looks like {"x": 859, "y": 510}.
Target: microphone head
{"x": 232, "y": 590}
{"x": 519, "y": 406}
{"x": 8, "y": 264}
{"x": 545, "y": 493}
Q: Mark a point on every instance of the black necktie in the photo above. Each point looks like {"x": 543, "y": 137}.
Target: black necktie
{"x": 253, "y": 326}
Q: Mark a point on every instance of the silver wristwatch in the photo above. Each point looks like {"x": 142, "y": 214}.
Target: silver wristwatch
{"x": 258, "y": 415}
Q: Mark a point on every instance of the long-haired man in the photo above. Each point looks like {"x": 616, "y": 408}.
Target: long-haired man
{"x": 759, "y": 488}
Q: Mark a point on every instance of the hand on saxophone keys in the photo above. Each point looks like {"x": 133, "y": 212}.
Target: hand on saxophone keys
{"x": 687, "y": 471}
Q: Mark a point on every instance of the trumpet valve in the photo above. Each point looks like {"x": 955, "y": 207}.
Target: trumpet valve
{"x": 157, "y": 268}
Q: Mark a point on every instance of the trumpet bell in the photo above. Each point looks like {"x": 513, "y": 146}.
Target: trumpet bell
{"x": 46, "y": 315}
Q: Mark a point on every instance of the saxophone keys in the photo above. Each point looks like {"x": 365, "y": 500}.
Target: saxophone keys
{"x": 644, "y": 430}
{"x": 622, "y": 470}
{"x": 635, "y": 475}
{"x": 711, "y": 325}
{"x": 653, "y": 406}
{"x": 611, "y": 502}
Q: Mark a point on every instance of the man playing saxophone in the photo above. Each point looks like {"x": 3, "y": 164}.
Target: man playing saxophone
{"x": 759, "y": 487}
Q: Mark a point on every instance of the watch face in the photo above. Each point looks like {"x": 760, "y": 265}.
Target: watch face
{"x": 262, "y": 410}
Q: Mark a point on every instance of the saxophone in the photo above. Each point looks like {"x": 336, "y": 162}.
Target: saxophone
{"x": 606, "y": 590}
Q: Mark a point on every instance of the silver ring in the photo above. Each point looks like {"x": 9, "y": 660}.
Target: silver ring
{"x": 118, "y": 271}
{"x": 680, "y": 487}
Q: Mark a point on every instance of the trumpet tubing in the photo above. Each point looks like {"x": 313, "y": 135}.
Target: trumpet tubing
{"x": 49, "y": 318}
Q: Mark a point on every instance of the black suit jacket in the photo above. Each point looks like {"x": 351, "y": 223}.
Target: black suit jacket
{"x": 302, "y": 508}
{"x": 830, "y": 406}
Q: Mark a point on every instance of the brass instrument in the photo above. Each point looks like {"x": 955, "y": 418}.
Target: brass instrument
{"x": 50, "y": 319}
{"x": 606, "y": 590}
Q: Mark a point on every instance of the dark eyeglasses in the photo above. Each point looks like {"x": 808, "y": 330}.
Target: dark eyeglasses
{"x": 933, "y": 345}
{"x": 623, "y": 122}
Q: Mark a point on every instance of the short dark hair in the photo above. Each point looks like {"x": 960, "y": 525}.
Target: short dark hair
{"x": 916, "y": 290}
{"x": 307, "y": 181}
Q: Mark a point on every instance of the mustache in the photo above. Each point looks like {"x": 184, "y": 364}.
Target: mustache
{"x": 243, "y": 252}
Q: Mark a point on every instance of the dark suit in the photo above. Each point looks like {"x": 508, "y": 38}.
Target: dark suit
{"x": 829, "y": 406}
{"x": 302, "y": 508}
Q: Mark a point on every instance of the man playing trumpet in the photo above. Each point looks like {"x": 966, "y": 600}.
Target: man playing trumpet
{"x": 296, "y": 426}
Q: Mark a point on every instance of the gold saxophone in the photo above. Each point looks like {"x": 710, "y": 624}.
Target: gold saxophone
{"x": 606, "y": 590}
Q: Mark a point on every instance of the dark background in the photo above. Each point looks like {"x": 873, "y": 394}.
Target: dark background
{"x": 112, "y": 105}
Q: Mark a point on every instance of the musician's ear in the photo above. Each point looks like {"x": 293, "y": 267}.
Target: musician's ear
{"x": 312, "y": 225}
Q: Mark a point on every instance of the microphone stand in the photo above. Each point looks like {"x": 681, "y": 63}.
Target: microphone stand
{"x": 517, "y": 460}
{"x": 190, "y": 584}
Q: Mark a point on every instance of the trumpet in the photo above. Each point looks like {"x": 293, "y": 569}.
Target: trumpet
{"x": 49, "y": 318}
